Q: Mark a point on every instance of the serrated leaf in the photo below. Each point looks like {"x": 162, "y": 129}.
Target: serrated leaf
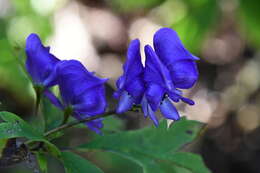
{"x": 13, "y": 126}
{"x": 149, "y": 140}
{"x": 75, "y": 164}
{"x": 153, "y": 148}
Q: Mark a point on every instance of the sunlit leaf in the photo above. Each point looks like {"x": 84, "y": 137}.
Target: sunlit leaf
{"x": 13, "y": 126}
{"x": 154, "y": 148}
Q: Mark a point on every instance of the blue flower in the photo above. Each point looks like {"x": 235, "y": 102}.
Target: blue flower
{"x": 167, "y": 69}
{"x": 40, "y": 63}
{"x": 81, "y": 92}
{"x": 130, "y": 85}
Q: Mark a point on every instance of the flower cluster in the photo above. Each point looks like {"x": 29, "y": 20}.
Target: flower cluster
{"x": 168, "y": 68}
{"x": 82, "y": 93}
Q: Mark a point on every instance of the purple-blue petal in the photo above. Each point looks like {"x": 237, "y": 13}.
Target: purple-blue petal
{"x": 169, "y": 47}
{"x": 187, "y": 100}
{"x": 91, "y": 102}
{"x": 154, "y": 94}
{"x": 144, "y": 104}
{"x": 179, "y": 61}
{"x": 53, "y": 99}
{"x": 40, "y": 63}
{"x": 74, "y": 79}
{"x": 168, "y": 110}
{"x": 136, "y": 89}
{"x": 155, "y": 71}
{"x": 94, "y": 125}
{"x": 133, "y": 66}
{"x": 184, "y": 73}
{"x": 125, "y": 103}
{"x": 152, "y": 116}
{"x": 132, "y": 78}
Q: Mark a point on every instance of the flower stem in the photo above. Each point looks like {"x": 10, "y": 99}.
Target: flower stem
{"x": 76, "y": 122}
{"x": 37, "y": 104}
{"x": 67, "y": 112}
{"x": 39, "y": 92}
{"x": 66, "y": 118}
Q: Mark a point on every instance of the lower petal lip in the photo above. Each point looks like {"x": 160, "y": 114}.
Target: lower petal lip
{"x": 125, "y": 103}
{"x": 168, "y": 109}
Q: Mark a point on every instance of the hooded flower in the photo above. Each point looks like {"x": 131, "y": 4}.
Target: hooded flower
{"x": 82, "y": 93}
{"x": 167, "y": 69}
{"x": 40, "y": 63}
{"x": 130, "y": 85}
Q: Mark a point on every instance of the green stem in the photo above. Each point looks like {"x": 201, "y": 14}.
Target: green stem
{"x": 37, "y": 104}
{"x": 38, "y": 91}
{"x": 66, "y": 118}
{"x": 76, "y": 122}
{"x": 67, "y": 112}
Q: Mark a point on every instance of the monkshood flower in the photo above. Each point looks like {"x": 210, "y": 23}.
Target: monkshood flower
{"x": 167, "y": 69}
{"x": 40, "y": 63}
{"x": 82, "y": 93}
{"x": 130, "y": 85}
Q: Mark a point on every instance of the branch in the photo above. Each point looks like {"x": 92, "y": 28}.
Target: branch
{"x": 76, "y": 122}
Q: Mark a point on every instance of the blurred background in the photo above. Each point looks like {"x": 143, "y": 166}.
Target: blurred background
{"x": 225, "y": 34}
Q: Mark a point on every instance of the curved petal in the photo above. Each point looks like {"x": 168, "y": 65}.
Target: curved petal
{"x": 154, "y": 94}
{"x": 169, "y": 47}
{"x": 94, "y": 125}
{"x": 152, "y": 116}
{"x": 40, "y": 63}
{"x": 91, "y": 102}
{"x": 168, "y": 110}
{"x": 133, "y": 66}
{"x": 136, "y": 89}
{"x": 132, "y": 78}
{"x": 187, "y": 100}
{"x": 184, "y": 74}
{"x": 74, "y": 79}
{"x": 178, "y": 60}
{"x": 155, "y": 71}
{"x": 144, "y": 104}
{"x": 125, "y": 103}
{"x": 53, "y": 99}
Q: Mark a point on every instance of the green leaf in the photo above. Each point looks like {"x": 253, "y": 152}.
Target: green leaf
{"x": 53, "y": 115}
{"x": 13, "y": 126}
{"x": 42, "y": 161}
{"x": 154, "y": 148}
{"x": 191, "y": 162}
{"x": 75, "y": 164}
{"x": 249, "y": 15}
{"x": 149, "y": 140}
{"x": 13, "y": 79}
